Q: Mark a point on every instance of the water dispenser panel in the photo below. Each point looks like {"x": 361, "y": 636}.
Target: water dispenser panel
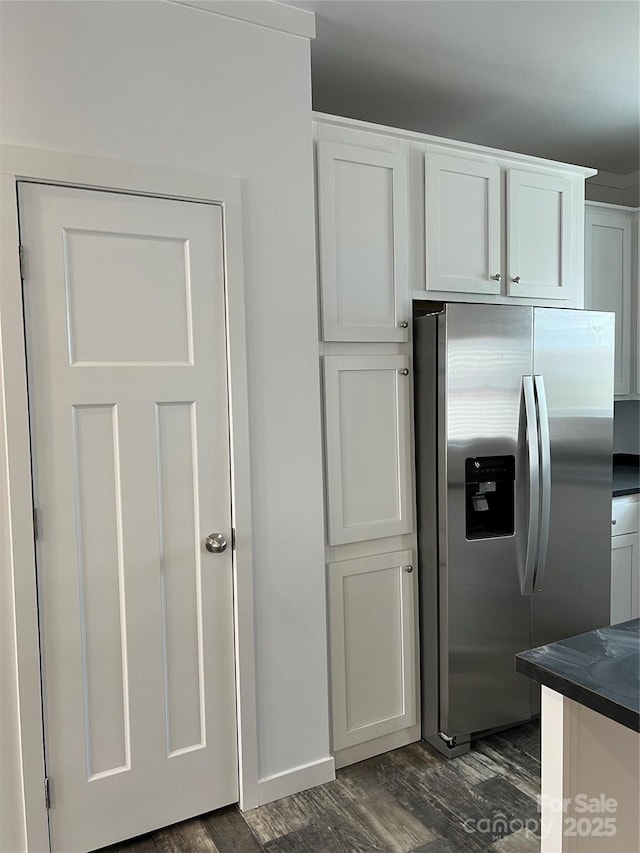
{"x": 489, "y": 496}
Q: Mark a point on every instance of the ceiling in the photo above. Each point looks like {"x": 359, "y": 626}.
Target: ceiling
{"x": 550, "y": 78}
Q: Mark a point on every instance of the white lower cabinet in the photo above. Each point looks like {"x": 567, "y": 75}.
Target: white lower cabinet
{"x": 625, "y": 559}
{"x": 372, "y": 621}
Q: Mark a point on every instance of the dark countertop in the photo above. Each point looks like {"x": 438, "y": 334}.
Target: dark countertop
{"x": 600, "y": 669}
{"x": 626, "y": 474}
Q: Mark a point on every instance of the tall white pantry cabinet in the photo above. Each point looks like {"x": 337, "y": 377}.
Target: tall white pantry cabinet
{"x": 405, "y": 217}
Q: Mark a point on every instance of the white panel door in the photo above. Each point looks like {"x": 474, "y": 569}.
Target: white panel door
{"x": 608, "y": 281}
{"x": 372, "y": 633}
{"x": 362, "y": 208}
{"x": 539, "y": 236}
{"x": 368, "y": 465}
{"x": 625, "y": 577}
{"x": 128, "y": 395}
{"x": 462, "y": 214}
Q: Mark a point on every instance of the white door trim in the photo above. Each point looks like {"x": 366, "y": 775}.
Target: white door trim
{"x": 19, "y": 163}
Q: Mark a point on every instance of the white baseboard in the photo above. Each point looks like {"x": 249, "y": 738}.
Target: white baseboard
{"x": 298, "y": 779}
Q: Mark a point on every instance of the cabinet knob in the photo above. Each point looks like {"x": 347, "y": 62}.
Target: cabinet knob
{"x": 215, "y": 543}
{"x": 614, "y": 521}
{"x": 516, "y": 280}
{"x": 496, "y": 277}
{"x": 408, "y": 569}
{"x": 404, "y": 371}
{"x": 403, "y": 324}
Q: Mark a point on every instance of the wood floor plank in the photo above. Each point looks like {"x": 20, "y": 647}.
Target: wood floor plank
{"x": 230, "y": 831}
{"x": 518, "y": 842}
{"x": 398, "y": 830}
{"x": 440, "y": 813}
{"x": 141, "y": 844}
{"x": 186, "y": 837}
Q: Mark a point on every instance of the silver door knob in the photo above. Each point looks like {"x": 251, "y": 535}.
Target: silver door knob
{"x": 496, "y": 277}
{"x": 403, "y": 324}
{"x": 216, "y": 543}
{"x": 408, "y": 569}
{"x": 404, "y": 371}
{"x": 516, "y": 280}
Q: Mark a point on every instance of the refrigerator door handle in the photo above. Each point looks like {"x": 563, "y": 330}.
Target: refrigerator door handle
{"x": 531, "y": 426}
{"x": 545, "y": 480}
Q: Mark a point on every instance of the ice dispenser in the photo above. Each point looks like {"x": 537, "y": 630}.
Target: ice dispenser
{"x": 489, "y": 500}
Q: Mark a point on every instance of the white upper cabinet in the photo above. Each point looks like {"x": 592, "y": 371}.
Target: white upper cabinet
{"x": 463, "y": 225}
{"x": 362, "y": 210}
{"x": 608, "y": 239}
{"x": 500, "y": 234}
{"x": 538, "y": 232}
{"x": 368, "y": 447}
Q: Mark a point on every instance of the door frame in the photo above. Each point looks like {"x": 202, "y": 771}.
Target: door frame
{"x": 87, "y": 172}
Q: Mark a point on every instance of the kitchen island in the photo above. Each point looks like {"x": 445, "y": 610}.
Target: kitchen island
{"x": 590, "y": 741}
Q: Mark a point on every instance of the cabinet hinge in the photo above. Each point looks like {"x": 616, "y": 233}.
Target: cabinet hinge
{"x": 233, "y": 539}
{"x": 22, "y": 261}
{"x": 36, "y": 525}
{"x": 47, "y": 793}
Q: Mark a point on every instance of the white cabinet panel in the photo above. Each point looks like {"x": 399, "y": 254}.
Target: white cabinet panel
{"x": 539, "y": 251}
{"x": 367, "y": 425}
{"x": 362, "y": 201}
{"x": 635, "y": 287}
{"x": 608, "y": 280}
{"x": 625, "y": 577}
{"x": 462, "y": 215}
{"x": 372, "y": 630}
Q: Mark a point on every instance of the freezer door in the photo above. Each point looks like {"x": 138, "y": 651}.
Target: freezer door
{"x": 573, "y": 351}
{"x": 485, "y": 351}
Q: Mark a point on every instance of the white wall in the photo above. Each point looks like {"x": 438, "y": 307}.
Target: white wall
{"x": 152, "y": 82}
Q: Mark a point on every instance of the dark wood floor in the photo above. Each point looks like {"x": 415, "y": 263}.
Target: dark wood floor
{"x": 411, "y": 799}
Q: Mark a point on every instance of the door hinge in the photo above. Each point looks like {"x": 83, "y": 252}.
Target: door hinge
{"x": 36, "y": 526}
{"x": 47, "y": 793}
{"x": 233, "y": 539}
{"x": 22, "y": 262}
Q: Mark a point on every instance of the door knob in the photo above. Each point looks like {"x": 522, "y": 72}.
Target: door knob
{"x": 216, "y": 543}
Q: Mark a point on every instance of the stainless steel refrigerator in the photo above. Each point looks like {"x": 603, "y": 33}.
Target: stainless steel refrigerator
{"x": 514, "y": 424}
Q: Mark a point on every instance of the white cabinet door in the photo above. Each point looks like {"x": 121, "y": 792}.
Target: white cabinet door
{"x": 625, "y": 577}
{"x": 363, "y": 235}
{"x": 608, "y": 280}
{"x": 462, "y": 216}
{"x": 368, "y": 463}
{"x": 539, "y": 245}
{"x": 372, "y": 631}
